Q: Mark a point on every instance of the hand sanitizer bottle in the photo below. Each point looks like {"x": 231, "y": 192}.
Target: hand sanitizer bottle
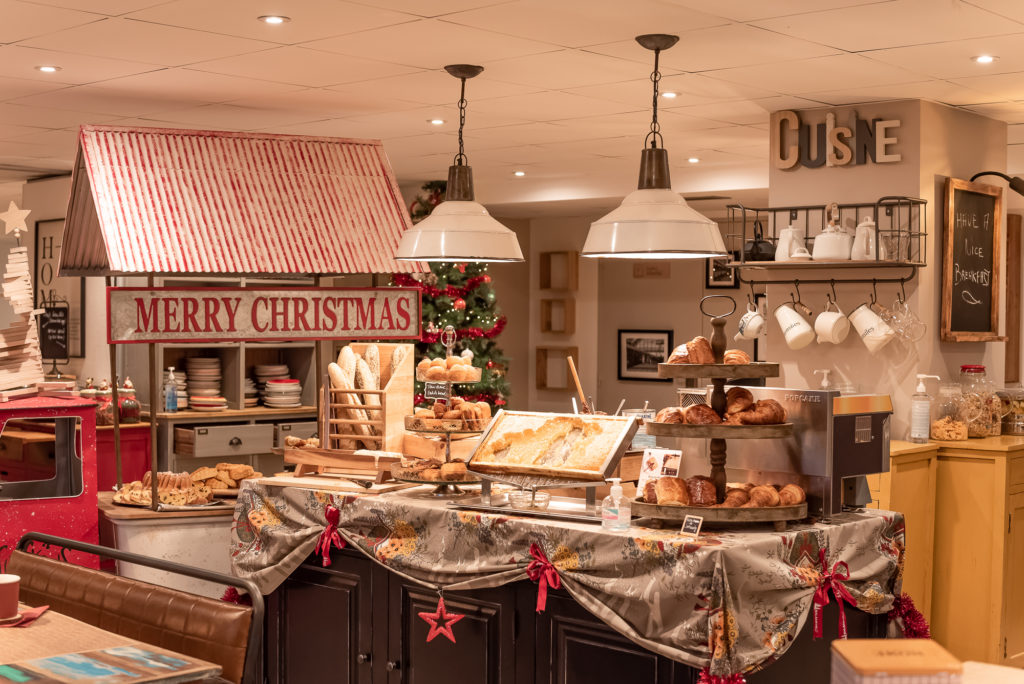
{"x": 170, "y": 392}
{"x": 615, "y": 514}
{"x": 921, "y": 411}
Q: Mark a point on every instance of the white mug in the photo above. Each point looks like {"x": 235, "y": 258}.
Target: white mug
{"x": 750, "y": 325}
{"x": 832, "y": 326}
{"x": 797, "y": 331}
{"x": 873, "y": 331}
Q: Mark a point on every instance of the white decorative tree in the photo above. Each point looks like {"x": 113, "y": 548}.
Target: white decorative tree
{"x": 21, "y": 364}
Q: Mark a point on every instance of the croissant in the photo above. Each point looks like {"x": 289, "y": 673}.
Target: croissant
{"x": 763, "y": 496}
{"x": 680, "y": 354}
{"x": 670, "y": 414}
{"x": 764, "y": 412}
{"x": 701, "y": 414}
{"x": 671, "y": 491}
{"x": 738, "y": 399}
{"x": 700, "y": 350}
{"x": 791, "y": 495}
{"x": 650, "y": 492}
{"x": 702, "y": 491}
{"x": 734, "y": 498}
{"x": 736, "y": 357}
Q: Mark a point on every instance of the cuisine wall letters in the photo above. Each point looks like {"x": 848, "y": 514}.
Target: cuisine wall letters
{"x": 794, "y": 143}
{"x": 230, "y": 314}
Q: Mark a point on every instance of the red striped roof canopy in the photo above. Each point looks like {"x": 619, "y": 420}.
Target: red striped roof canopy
{"x": 166, "y": 201}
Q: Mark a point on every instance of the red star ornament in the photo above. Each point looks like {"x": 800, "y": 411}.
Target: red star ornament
{"x": 441, "y": 621}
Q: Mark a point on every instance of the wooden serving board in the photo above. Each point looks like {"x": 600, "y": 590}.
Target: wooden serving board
{"x": 688, "y": 431}
{"x": 332, "y": 484}
{"x": 737, "y": 516}
{"x": 757, "y": 369}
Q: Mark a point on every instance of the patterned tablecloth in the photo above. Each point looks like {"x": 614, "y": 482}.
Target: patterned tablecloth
{"x": 731, "y": 600}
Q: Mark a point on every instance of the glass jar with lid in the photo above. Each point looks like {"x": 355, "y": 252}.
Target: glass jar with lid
{"x": 104, "y": 406}
{"x": 949, "y": 419}
{"x": 984, "y": 406}
{"x": 1013, "y": 410}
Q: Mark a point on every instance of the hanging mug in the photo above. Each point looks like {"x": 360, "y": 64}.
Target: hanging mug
{"x": 751, "y": 324}
{"x": 795, "y": 328}
{"x": 873, "y": 331}
{"x": 831, "y": 326}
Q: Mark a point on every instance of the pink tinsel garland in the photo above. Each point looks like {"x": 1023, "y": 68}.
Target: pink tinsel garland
{"x": 909, "y": 618}
{"x": 707, "y": 678}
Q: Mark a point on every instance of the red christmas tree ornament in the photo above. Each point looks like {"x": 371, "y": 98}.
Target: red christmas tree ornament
{"x": 440, "y": 621}
{"x": 462, "y": 268}
{"x": 459, "y": 304}
{"x": 490, "y": 364}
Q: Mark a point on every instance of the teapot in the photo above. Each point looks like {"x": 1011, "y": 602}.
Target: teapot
{"x": 833, "y": 243}
{"x": 865, "y": 240}
{"x": 790, "y": 239}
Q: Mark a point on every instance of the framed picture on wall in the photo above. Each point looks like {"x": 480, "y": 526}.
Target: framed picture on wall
{"x": 718, "y": 275}
{"x": 51, "y": 289}
{"x": 640, "y": 352}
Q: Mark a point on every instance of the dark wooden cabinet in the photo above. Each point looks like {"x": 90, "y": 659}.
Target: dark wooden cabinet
{"x": 358, "y": 623}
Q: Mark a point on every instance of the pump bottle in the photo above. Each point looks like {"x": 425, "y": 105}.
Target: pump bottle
{"x": 615, "y": 513}
{"x": 170, "y": 392}
{"x": 921, "y": 411}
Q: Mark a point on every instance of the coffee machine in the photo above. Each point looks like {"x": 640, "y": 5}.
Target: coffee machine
{"x": 837, "y": 440}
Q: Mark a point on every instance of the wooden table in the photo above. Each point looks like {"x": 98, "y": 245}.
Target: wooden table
{"x": 61, "y": 649}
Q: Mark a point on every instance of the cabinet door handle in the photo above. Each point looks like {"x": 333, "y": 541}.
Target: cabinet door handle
{"x": 235, "y": 441}
{"x": 394, "y": 665}
{"x": 363, "y": 658}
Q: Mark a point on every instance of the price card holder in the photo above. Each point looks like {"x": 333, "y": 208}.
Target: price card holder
{"x": 435, "y": 391}
{"x": 692, "y": 524}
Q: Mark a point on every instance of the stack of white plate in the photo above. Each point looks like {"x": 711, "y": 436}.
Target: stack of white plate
{"x": 204, "y": 378}
{"x": 179, "y": 380}
{"x": 283, "y": 393}
{"x": 264, "y": 372}
{"x": 252, "y": 397}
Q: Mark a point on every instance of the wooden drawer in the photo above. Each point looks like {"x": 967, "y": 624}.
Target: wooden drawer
{"x": 204, "y": 441}
{"x": 301, "y": 430}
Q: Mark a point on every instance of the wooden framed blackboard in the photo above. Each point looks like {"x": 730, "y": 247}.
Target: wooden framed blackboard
{"x": 971, "y": 254}
{"x": 53, "y": 332}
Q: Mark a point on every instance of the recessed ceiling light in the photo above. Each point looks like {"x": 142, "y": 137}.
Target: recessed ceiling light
{"x": 985, "y": 59}
{"x": 519, "y": 174}
{"x": 48, "y": 68}
{"x": 669, "y": 94}
{"x": 693, "y": 160}
{"x": 274, "y": 19}
{"x": 436, "y": 122}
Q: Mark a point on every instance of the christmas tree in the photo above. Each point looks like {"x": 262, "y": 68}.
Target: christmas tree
{"x": 459, "y": 295}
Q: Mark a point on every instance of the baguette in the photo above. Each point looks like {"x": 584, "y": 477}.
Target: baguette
{"x": 372, "y": 359}
{"x": 340, "y": 380}
{"x": 397, "y": 356}
{"x": 365, "y": 380}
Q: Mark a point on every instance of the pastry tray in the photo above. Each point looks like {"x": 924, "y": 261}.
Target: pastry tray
{"x": 461, "y": 481}
{"x": 716, "y": 514}
{"x": 755, "y": 369}
{"x": 564, "y": 508}
{"x": 477, "y": 374}
{"x": 719, "y": 431}
{"x": 442, "y": 426}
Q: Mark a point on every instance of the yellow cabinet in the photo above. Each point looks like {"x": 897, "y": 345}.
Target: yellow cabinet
{"x": 978, "y": 578}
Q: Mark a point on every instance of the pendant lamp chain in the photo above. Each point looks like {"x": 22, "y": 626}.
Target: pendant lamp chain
{"x": 460, "y": 158}
{"x": 655, "y": 135}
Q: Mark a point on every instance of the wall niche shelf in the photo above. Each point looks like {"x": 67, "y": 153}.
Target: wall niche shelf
{"x": 558, "y": 316}
{"x": 560, "y": 271}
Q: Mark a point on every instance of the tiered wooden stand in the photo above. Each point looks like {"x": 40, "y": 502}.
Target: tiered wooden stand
{"x": 719, "y": 372}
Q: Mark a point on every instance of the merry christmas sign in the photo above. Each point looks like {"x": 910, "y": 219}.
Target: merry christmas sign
{"x": 231, "y": 314}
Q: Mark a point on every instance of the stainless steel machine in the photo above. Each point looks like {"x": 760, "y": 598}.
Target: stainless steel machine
{"x": 837, "y": 440}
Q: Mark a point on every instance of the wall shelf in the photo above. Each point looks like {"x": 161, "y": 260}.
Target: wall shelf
{"x": 558, "y": 316}
{"x": 560, "y": 271}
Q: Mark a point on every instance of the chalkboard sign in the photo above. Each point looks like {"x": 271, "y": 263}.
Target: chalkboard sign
{"x": 691, "y": 525}
{"x": 972, "y": 251}
{"x": 53, "y": 332}
{"x": 435, "y": 390}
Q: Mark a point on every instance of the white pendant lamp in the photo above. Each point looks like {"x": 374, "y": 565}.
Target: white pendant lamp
{"x": 653, "y": 222}
{"x": 459, "y": 229}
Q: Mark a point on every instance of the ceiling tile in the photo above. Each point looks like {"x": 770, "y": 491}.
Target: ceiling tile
{"x": 242, "y": 118}
{"x": 637, "y": 124}
{"x": 23, "y": 20}
{"x": 892, "y": 24}
{"x": 565, "y": 69}
{"x": 746, "y": 111}
{"x": 414, "y": 121}
{"x": 21, "y": 62}
{"x": 1011, "y": 9}
{"x": 155, "y": 122}
{"x": 575, "y": 24}
{"x": 435, "y": 87}
{"x": 551, "y": 106}
{"x": 725, "y": 137}
{"x": 431, "y": 44}
{"x": 190, "y": 86}
{"x": 536, "y": 133}
{"x": 310, "y": 19}
{"x": 60, "y": 143}
{"x": 107, "y": 7}
{"x": 101, "y": 100}
{"x": 938, "y": 91}
{"x": 329, "y": 103}
{"x": 142, "y": 42}
{"x": 996, "y": 86}
{"x": 818, "y": 74}
{"x": 300, "y": 66}
{"x": 329, "y": 128}
{"x": 690, "y": 89}
{"x": 434, "y": 8}
{"x": 705, "y": 49}
{"x": 46, "y": 117}
{"x": 1010, "y": 112}
{"x": 14, "y": 88}
{"x": 953, "y": 59}
{"x": 8, "y": 131}
{"x": 749, "y": 10}
{"x": 419, "y": 145}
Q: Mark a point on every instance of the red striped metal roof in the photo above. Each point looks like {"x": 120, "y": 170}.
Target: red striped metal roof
{"x": 163, "y": 201}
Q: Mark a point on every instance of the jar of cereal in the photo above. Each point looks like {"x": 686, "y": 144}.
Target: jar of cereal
{"x": 984, "y": 406}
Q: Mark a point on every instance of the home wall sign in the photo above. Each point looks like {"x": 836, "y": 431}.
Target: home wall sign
{"x": 794, "y": 143}
{"x": 232, "y": 314}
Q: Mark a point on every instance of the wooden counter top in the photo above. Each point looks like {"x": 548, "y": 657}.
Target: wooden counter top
{"x": 105, "y": 504}
{"x": 898, "y": 447}
{"x": 1003, "y": 444}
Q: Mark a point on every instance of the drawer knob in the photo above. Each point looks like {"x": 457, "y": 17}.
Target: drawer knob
{"x": 394, "y": 665}
{"x": 235, "y": 441}
{"x": 363, "y": 658}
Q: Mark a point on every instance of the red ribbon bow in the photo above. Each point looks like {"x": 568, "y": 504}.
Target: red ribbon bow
{"x": 541, "y": 570}
{"x": 832, "y": 580}
{"x": 330, "y": 535}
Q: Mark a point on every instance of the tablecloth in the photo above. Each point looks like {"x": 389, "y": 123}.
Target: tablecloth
{"x": 732, "y": 601}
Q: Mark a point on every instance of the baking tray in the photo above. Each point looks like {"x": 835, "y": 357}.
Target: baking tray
{"x": 754, "y": 369}
{"x": 565, "y": 508}
{"x": 715, "y": 514}
{"x": 629, "y": 426}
